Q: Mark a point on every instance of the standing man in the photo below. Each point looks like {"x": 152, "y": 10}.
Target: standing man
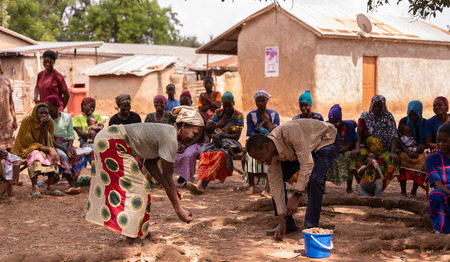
{"x": 305, "y": 145}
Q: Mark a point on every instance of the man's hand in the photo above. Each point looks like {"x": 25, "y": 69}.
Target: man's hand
{"x": 14, "y": 124}
{"x": 185, "y": 215}
{"x": 292, "y": 205}
{"x": 281, "y": 229}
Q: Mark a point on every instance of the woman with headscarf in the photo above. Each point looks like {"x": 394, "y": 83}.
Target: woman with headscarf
{"x": 119, "y": 195}
{"x": 339, "y": 170}
{"x": 259, "y": 121}
{"x": 125, "y": 116}
{"x": 50, "y": 82}
{"x": 413, "y": 166}
{"x": 64, "y": 136}
{"x": 80, "y": 123}
{"x": 378, "y": 132}
{"x": 10, "y": 163}
{"x": 160, "y": 116}
{"x": 440, "y": 108}
{"x": 305, "y": 104}
{"x": 35, "y": 142}
{"x": 216, "y": 159}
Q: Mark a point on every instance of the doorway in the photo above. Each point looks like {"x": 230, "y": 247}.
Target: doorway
{"x": 369, "y": 80}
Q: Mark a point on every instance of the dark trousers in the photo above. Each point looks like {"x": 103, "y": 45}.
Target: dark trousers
{"x": 323, "y": 159}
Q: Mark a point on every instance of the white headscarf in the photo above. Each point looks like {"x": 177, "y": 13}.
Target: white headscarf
{"x": 262, "y": 92}
{"x": 188, "y": 115}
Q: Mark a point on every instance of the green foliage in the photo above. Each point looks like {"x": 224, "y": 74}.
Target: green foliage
{"x": 37, "y": 19}
{"x": 188, "y": 41}
{"x": 423, "y": 8}
{"x": 125, "y": 22}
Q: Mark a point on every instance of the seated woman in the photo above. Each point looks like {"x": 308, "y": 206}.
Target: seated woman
{"x": 259, "y": 121}
{"x": 217, "y": 162}
{"x": 119, "y": 194}
{"x": 413, "y": 166}
{"x": 305, "y": 104}
{"x": 339, "y": 170}
{"x": 80, "y": 123}
{"x": 160, "y": 116}
{"x": 209, "y": 101}
{"x": 438, "y": 167}
{"x": 125, "y": 116}
{"x": 377, "y": 131}
{"x": 440, "y": 108}
{"x": 64, "y": 136}
{"x": 35, "y": 143}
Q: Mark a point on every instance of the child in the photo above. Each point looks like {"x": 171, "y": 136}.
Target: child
{"x": 185, "y": 98}
{"x": 93, "y": 128}
{"x": 212, "y": 129}
{"x": 171, "y": 102}
{"x": 406, "y": 136}
{"x": 9, "y": 171}
{"x": 210, "y": 101}
{"x": 371, "y": 177}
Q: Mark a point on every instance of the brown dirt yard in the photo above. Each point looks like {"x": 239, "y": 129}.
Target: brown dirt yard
{"x": 224, "y": 229}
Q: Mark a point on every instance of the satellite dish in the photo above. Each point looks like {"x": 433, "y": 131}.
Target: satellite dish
{"x": 364, "y": 23}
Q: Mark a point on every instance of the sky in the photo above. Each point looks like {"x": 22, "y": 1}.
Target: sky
{"x": 210, "y": 18}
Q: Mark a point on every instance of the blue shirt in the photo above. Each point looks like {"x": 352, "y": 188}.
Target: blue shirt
{"x": 171, "y": 103}
{"x": 438, "y": 169}
{"x": 348, "y": 133}
{"x": 254, "y": 120}
{"x": 431, "y": 127}
{"x": 314, "y": 116}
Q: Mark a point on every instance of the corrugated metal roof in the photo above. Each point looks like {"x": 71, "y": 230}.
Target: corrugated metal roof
{"x": 338, "y": 23}
{"x": 139, "y": 65}
{"x": 225, "y": 64}
{"x": 55, "y": 46}
{"x": 20, "y": 36}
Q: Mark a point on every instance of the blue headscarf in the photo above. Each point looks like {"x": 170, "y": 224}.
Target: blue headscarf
{"x": 305, "y": 97}
{"x": 417, "y": 107}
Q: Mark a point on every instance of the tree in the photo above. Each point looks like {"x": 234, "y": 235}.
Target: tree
{"x": 423, "y": 8}
{"x": 39, "y": 20}
{"x": 124, "y": 22}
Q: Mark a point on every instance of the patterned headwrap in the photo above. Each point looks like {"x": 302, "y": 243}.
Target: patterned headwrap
{"x": 162, "y": 97}
{"x": 87, "y": 100}
{"x": 381, "y": 126}
{"x": 335, "y": 112}
{"x": 443, "y": 99}
{"x": 417, "y": 107}
{"x": 186, "y": 93}
{"x": 188, "y": 115}
{"x": 262, "y": 92}
{"x": 305, "y": 97}
{"x": 50, "y": 54}
{"x": 54, "y": 99}
{"x": 123, "y": 98}
{"x": 228, "y": 96}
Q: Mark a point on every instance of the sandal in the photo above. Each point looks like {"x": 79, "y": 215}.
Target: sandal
{"x": 194, "y": 188}
{"x": 56, "y": 192}
{"x": 73, "y": 190}
{"x": 36, "y": 195}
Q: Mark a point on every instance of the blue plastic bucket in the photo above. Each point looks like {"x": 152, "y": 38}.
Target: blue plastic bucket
{"x": 317, "y": 245}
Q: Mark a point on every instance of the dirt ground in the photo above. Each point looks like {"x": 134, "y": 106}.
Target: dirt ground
{"x": 54, "y": 229}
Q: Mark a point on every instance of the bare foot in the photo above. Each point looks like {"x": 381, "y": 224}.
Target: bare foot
{"x": 265, "y": 194}
{"x": 250, "y": 190}
{"x": 132, "y": 242}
